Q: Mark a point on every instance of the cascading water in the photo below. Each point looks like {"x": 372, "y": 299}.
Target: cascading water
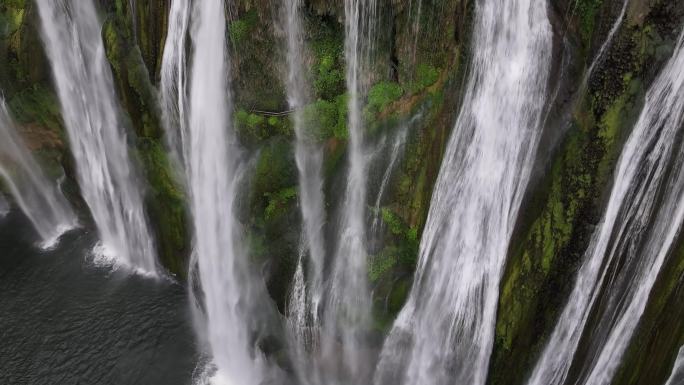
{"x": 305, "y": 299}
{"x": 643, "y": 218}
{"x": 348, "y": 306}
{"x": 212, "y": 166}
{"x": 397, "y": 145}
{"x": 444, "y": 334}
{"x": 40, "y": 199}
{"x": 677, "y": 375}
{"x": 415, "y": 27}
{"x": 72, "y": 39}
{"x": 173, "y": 87}
{"x": 606, "y": 44}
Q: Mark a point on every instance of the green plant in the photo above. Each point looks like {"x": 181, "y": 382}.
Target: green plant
{"x": 328, "y": 74}
{"x": 382, "y": 94}
{"x": 426, "y": 75}
{"x": 240, "y": 29}
{"x": 380, "y": 264}
{"x": 278, "y": 201}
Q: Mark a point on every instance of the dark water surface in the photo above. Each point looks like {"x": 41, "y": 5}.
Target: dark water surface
{"x": 64, "y": 321}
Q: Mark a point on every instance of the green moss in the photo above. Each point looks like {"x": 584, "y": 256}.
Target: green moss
{"x": 614, "y": 117}
{"x": 110, "y": 36}
{"x": 611, "y": 120}
{"x": 329, "y": 77}
{"x": 255, "y": 128}
{"x": 139, "y": 80}
{"x": 380, "y": 265}
{"x": 426, "y": 75}
{"x": 320, "y": 118}
{"x": 340, "y": 130}
{"x": 166, "y": 206}
{"x": 382, "y": 94}
{"x": 36, "y": 105}
{"x": 405, "y": 240}
{"x": 11, "y": 17}
{"x": 325, "y": 119}
{"x": 587, "y": 11}
{"x": 274, "y": 176}
{"x": 412, "y": 234}
{"x": 392, "y": 221}
{"x": 561, "y": 217}
{"x": 256, "y": 70}
{"x": 398, "y": 295}
{"x": 535, "y": 270}
{"x": 328, "y": 70}
{"x": 278, "y": 202}
{"x": 251, "y": 120}
{"x": 240, "y": 29}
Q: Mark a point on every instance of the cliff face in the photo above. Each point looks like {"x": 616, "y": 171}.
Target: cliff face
{"x": 421, "y": 61}
{"x": 565, "y": 205}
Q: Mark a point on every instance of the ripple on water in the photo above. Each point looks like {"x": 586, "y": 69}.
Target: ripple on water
{"x": 65, "y": 321}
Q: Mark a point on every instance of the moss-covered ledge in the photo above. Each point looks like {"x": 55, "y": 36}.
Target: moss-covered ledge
{"x": 562, "y": 211}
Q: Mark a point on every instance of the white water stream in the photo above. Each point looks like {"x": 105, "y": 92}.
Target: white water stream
{"x": 307, "y": 295}
{"x": 72, "y": 38}
{"x": 347, "y": 312}
{"x": 173, "y": 85}
{"x": 38, "y": 197}
{"x": 677, "y": 375}
{"x": 444, "y": 334}
{"x": 199, "y": 126}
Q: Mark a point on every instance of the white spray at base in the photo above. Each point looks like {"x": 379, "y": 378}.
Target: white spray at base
{"x": 306, "y": 295}
{"x": 445, "y": 332}
{"x": 72, "y": 38}
{"x": 39, "y": 198}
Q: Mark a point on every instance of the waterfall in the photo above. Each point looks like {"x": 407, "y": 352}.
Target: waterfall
{"x": 348, "y": 308}
{"x": 173, "y": 87}
{"x": 642, "y": 220}
{"x": 305, "y": 299}
{"x": 415, "y": 28}
{"x": 444, "y": 334}
{"x": 300, "y": 316}
{"x": 397, "y": 145}
{"x": 677, "y": 375}
{"x": 213, "y": 168}
{"x": 40, "y": 199}
{"x": 606, "y": 44}
{"x": 72, "y": 39}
